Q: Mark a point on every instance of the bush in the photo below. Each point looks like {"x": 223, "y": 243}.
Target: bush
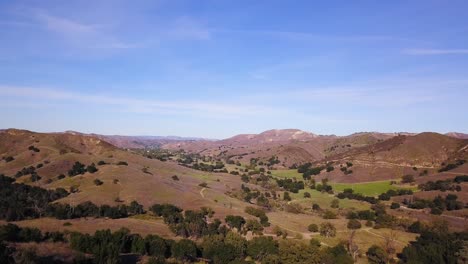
{"x": 394, "y": 206}
{"x": 407, "y": 179}
{"x": 328, "y": 214}
{"x": 91, "y": 168}
{"x": 122, "y": 163}
{"x": 327, "y": 229}
{"x": 306, "y": 195}
{"x": 377, "y": 255}
{"x": 315, "y": 207}
{"x": 203, "y": 184}
{"x": 313, "y": 228}
{"x": 175, "y": 178}
{"x": 98, "y": 182}
{"x": 286, "y": 196}
{"x": 354, "y": 224}
{"x": 335, "y": 203}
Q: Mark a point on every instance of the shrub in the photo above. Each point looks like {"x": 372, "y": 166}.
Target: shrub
{"x": 328, "y": 214}
{"x": 286, "y": 196}
{"x": 313, "y": 228}
{"x": 407, "y": 179}
{"x": 306, "y": 195}
{"x": 354, "y": 224}
{"x": 327, "y": 229}
{"x": 335, "y": 203}
{"x": 98, "y": 182}
{"x": 175, "y": 178}
{"x": 91, "y": 168}
{"x": 377, "y": 255}
{"x": 315, "y": 207}
{"x": 122, "y": 163}
{"x": 394, "y": 206}
{"x": 203, "y": 184}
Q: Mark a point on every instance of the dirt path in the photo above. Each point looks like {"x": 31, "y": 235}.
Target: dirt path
{"x": 201, "y": 193}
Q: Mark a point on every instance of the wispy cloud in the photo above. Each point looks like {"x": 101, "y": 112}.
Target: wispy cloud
{"x": 435, "y": 51}
{"x": 298, "y": 35}
{"x": 189, "y": 28}
{"x": 80, "y": 34}
{"x": 226, "y": 109}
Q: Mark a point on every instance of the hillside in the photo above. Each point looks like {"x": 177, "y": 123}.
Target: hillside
{"x": 398, "y": 156}
{"x": 145, "y": 180}
{"x": 291, "y": 146}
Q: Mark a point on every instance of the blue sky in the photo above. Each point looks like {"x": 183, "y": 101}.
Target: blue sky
{"x": 218, "y": 68}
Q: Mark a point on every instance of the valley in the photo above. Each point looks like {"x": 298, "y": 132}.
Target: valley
{"x": 294, "y": 179}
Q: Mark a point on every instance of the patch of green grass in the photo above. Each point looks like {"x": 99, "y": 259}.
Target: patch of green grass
{"x": 366, "y": 188}
{"x": 287, "y": 174}
{"x": 324, "y": 200}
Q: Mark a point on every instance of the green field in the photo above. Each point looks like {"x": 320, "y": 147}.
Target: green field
{"x": 325, "y": 199}
{"x": 366, "y": 188}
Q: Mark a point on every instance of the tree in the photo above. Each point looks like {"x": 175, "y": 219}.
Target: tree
{"x": 238, "y": 243}
{"x": 292, "y": 252}
{"x": 184, "y": 250}
{"x": 315, "y": 207}
{"x": 215, "y": 249}
{"x": 260, "y": 247}
{"x": 354, "y": 224}
{"x": 376, "y": 255}
{"x": 98, "y": 182}
{"x": 407, "y": 178}
{"x": 327, "y": 229}
{"x": 335, "y": 203}
{"x": 91, "y": 168}
{"x": 313, "y": 228}
{"x": 235, "y": 221}
{"x": 254, "y": 226}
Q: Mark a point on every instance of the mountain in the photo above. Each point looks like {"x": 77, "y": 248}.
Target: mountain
{"x": 397, "y": 156}
{"x": 135, "y": 142}
{"x": 457, "y": 135}
{"x": 291, "y": 146}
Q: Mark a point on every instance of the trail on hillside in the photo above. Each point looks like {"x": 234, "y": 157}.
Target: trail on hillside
{"x": 201, "y": 192}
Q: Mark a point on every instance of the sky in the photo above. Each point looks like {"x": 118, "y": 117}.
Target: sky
{"x": 217, "y": 68}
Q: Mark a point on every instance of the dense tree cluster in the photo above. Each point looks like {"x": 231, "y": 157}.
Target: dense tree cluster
{"x": 452, "y": 166}
{"x": 21, "y": 201}
{"x": 442, "y": 185}
{"x": 438, "y": 204}
{"x": 79, "y": 169}
{"x": 13, "y": 233}
{"x": 33, "y": 148}
{"x": 349, "y": 193}
{"x": 89, "y": 209}
{"x": 308, "y": 171}
{"x": 189, "y": 223}
{"x": 391, "y": 193}
{"x": 291, "y": 185}
{"x": 436, "y": 246}
{"x": 258, "y": 213}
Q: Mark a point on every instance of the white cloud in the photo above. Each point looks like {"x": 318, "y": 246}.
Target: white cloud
{"x": 435, "y": 51}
